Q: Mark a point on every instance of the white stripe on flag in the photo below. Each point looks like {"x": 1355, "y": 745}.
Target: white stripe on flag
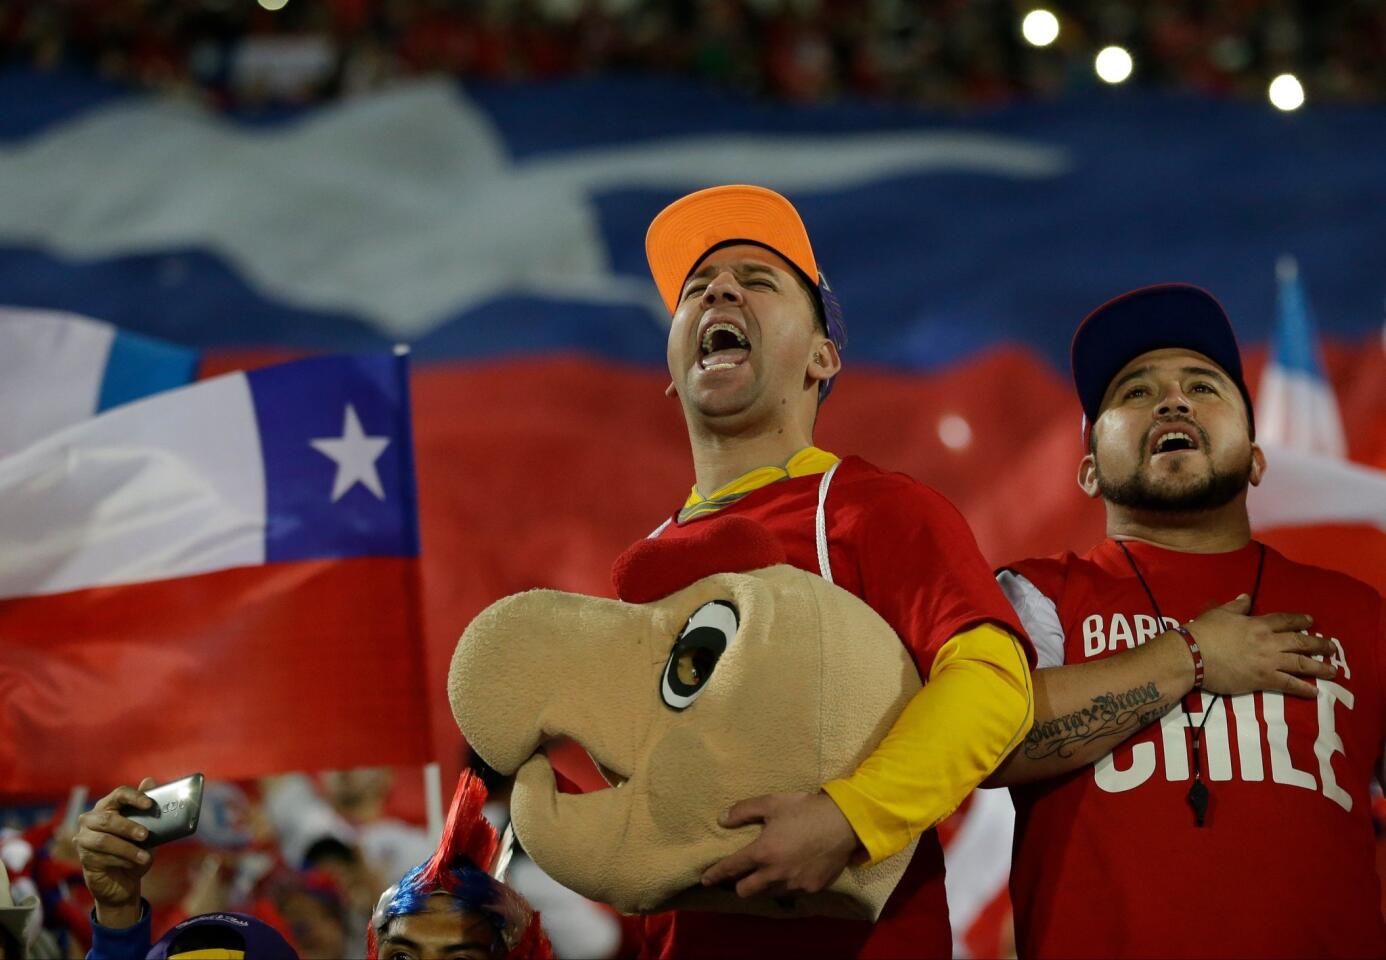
{"x": 1299, "y": 410}
{"x": 172, "y": 485}
{"x": 1303, "y": 488}
{"x": 51, "y": 368}
{"x": 978, "y": 860}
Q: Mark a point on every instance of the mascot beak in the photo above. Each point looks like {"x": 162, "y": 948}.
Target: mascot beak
{"x": 569, "y": 666}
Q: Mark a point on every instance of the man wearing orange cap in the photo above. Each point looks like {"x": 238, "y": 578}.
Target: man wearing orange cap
{"x": 754, "y": 346}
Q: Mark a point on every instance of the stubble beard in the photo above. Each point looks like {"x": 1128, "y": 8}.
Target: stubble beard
{"x": 720, "y": 407}
{"x": 1140, "y": 491}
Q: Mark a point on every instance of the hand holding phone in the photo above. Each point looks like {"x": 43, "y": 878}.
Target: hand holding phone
{"x": 177, "y": 805}
{"x": 114, "y": 837}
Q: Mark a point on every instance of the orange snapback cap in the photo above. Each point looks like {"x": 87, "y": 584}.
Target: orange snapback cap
{"x": 689, "y": 227}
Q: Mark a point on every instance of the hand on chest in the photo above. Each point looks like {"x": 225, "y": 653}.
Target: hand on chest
{"x": 1266, "y": 738}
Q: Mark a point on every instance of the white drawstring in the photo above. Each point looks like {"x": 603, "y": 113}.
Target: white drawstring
{"x": 820, "y": 524}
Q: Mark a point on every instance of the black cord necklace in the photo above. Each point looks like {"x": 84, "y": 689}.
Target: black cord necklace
{"x": 1198, "y": 794}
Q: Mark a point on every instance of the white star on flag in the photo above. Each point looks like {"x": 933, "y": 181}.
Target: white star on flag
{"x": 355, "y": 455}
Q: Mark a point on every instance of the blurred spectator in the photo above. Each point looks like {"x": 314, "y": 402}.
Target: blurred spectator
{"x": 302, "y": 819}
{"x": 290, "y": 68}
{"x": 354, "y": 880}
{"x": 41, "y": 860}
{"x": 361, "y": 797}
{"x": 312, "y": 906}
{"x": 18, "y": 921}
{"x": 944, "y": 54}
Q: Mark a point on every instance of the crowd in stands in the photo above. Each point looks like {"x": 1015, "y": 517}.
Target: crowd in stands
{"x": 954, "y": 53}
{"x": 309, "y": 856}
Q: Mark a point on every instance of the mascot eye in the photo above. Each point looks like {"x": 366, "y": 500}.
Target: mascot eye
{"x": 696, "y": 652}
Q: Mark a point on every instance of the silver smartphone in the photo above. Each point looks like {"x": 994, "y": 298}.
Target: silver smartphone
{"x": 177, "y": 806}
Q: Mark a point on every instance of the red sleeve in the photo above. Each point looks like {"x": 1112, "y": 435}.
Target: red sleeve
{"x": 923, "y": 573}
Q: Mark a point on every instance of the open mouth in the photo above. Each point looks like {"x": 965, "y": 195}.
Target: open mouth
{"x": 576, "y": 769}
{"x": 1174, "y": 439}
{"x": 723, "y": 346}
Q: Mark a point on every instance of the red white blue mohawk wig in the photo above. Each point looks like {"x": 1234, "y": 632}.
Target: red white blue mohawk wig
{"x": 461, "y": 868}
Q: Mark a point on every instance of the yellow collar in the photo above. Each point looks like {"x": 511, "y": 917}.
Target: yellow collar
{"x": 806, "y": 462}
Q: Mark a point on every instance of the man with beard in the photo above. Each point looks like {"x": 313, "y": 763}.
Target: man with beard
{"x": 1197, "y": 779}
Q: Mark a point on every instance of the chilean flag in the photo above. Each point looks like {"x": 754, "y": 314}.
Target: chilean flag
{"x": 1296, "y": 407}
{"x": 220, "y": 577}
{"x": 1314, "y": 504}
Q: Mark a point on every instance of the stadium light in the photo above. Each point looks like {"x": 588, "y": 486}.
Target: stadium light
{"x": 1286, "y": 92}
{"x": 1113, "y": 64}
{"x": 954, "y": 432}
{"x": 1040, "y": 28}
{"x": 274, "y": 4}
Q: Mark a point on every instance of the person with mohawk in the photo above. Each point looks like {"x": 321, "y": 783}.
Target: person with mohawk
{"x": 453, "y": 906}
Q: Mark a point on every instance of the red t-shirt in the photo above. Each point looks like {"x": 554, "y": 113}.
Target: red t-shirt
{"x": 905, "y": 550}
{"x": 1108, "y": 861}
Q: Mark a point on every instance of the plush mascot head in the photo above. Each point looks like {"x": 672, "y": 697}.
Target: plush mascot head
{"x": 457, "y": 895}
{"x": 722, "y": 674}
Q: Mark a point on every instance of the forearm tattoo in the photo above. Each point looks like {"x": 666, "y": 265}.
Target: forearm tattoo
{"x": 1110, "y": 715}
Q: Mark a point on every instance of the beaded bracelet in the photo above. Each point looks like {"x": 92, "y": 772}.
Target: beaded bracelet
{"x": 1197, "y": 655}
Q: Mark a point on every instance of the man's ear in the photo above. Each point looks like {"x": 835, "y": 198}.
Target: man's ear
{"x": 1087, "y": 476}
{"x": 824, "y": 362}
{"x": 1258, "y": 465}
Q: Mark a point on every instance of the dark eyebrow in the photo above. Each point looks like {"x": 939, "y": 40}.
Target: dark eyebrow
{"x": 449, "y": 948}
{"x": 1138, "y": 372}
{"x": 1208, "y": 372}
{"x": 402, "y": 941}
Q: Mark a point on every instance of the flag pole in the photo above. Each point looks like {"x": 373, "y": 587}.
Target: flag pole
{"x": 76, "y": 803}
{"x": 432, "y": 772}
{"x": 433, "y": 800}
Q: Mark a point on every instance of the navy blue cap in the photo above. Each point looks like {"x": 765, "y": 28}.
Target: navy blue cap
{"x": 1152, "y": 318}
{"x": 228, "y": 931}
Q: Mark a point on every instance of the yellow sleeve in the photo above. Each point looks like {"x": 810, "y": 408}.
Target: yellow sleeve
{"x": 974, "y": 709}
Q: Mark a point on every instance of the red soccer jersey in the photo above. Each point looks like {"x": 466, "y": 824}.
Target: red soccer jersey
{"x": 905, "y": 550}
{"x": 1108, "y": 860}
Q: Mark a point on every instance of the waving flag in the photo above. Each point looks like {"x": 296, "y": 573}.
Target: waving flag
{"x": 499, "y": 229}
{"x": 1312, "y": 504}
{"x": 1295, "y": 405}
{"x": 220, "y": 578}
{"x": 59, "y": 368}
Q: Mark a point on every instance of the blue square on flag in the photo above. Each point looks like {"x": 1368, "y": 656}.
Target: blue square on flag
{"x": 338, "y": 456}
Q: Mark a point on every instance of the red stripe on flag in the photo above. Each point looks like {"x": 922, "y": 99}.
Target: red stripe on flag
{"x": 992, "y": 931}
{"x": 238, "y": 673}
{"x": 1359, "y": 550}
{"x": 539, "y": 472}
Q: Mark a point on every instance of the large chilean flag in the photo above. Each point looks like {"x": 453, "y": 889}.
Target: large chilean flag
{"x": 221, "y": 577}
{"x": 498, "y": 229}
